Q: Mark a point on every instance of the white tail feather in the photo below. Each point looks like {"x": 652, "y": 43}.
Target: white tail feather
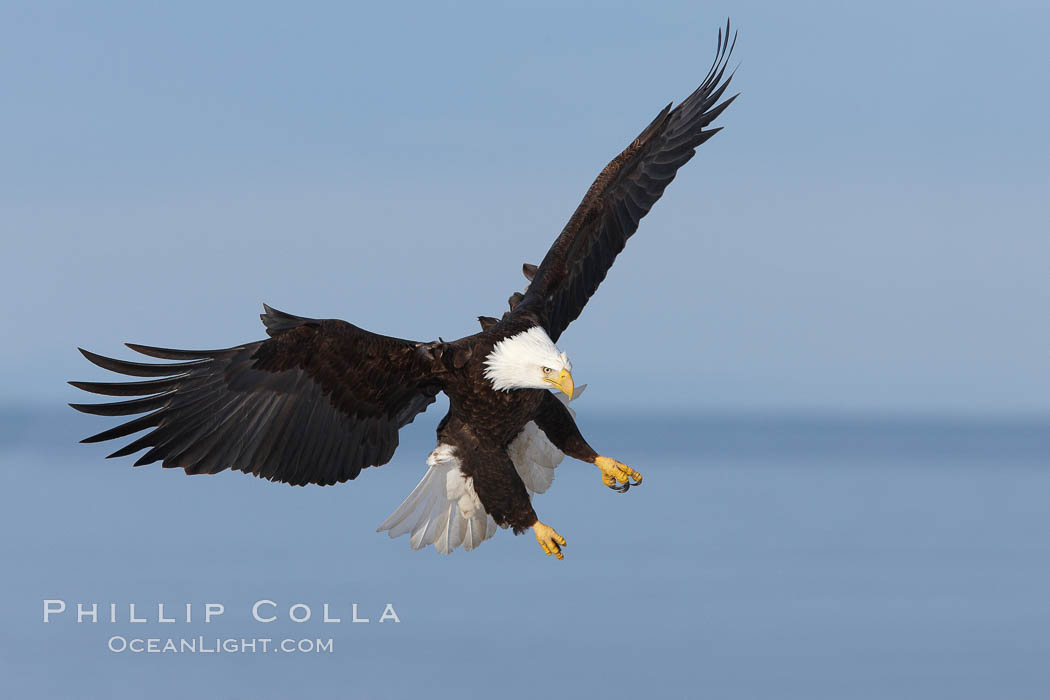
{"x": 443, "y": 509}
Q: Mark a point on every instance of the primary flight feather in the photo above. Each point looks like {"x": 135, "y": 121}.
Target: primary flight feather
{"x": 320, "y": 400}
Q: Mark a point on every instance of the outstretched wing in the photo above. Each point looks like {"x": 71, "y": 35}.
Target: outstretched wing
{"x": 315, "y": 404}
{"x": 623, "y": 193}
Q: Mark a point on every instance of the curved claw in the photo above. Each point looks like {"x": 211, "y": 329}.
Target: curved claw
{"x": 617, "y": 475}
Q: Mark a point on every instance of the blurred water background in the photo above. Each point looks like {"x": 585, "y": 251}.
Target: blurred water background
{"x": 764, "y": 556}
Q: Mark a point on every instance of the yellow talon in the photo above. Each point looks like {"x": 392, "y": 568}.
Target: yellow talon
{"x": 549, "y": 540}
{"x": 613, "y": 472}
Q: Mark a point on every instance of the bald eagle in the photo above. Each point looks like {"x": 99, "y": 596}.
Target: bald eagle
{"x": 320, "y": 400}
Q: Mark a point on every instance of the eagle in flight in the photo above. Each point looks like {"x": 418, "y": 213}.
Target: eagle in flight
{"x": 320, "y": 400}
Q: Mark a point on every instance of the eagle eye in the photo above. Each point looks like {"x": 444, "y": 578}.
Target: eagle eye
{"x": 547, "y": 370}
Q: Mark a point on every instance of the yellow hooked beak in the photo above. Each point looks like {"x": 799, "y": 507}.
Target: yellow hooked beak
{"x": 563, "y": 382}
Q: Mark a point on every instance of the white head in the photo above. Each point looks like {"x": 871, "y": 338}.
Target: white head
{"x": 529, "y": 360}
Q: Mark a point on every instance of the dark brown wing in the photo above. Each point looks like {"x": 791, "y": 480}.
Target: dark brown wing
{"x": 623, "y": 193}
{"x": 315, "y": 404}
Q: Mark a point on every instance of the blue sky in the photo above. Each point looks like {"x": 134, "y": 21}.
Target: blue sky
{"x": 869, "y": 233}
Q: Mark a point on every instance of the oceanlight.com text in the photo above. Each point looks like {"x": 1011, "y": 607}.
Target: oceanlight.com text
{"x": 218, "y": 645}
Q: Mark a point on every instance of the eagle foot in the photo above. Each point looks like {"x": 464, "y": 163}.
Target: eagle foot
{"x": 550, "y": 540}
{"x": 617, "y": 475}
